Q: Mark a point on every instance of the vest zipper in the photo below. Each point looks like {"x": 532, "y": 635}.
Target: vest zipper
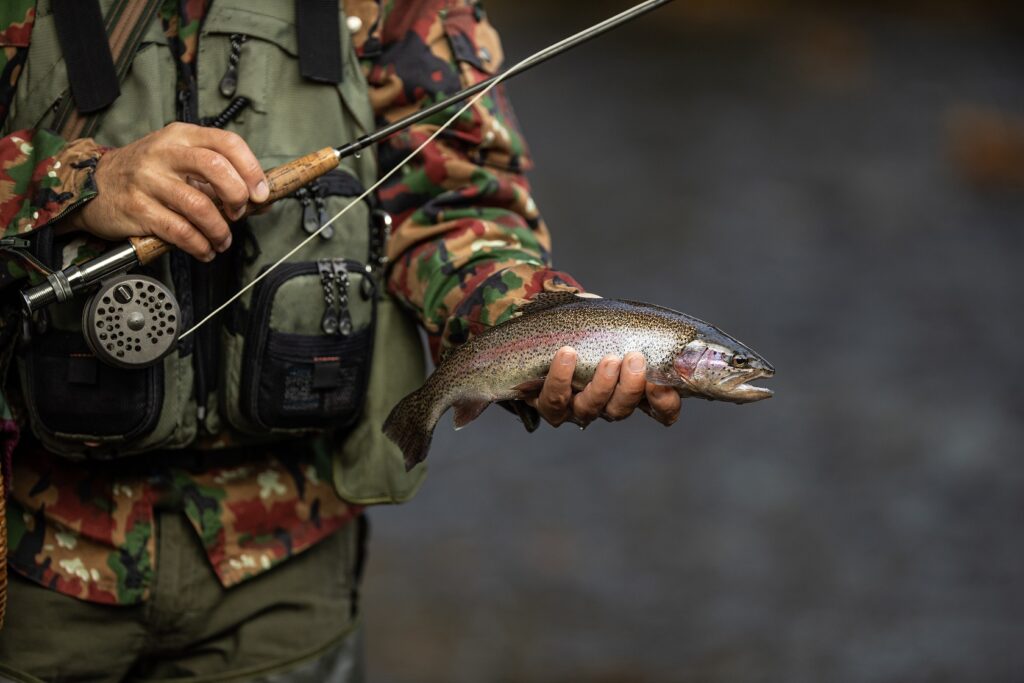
{"x": 329, "y": 321}
{"x": 340, "y": 267}
{"x": 200, "y": 275}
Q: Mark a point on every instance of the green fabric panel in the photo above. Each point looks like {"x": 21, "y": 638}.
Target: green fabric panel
{"x": 370, "y": 469}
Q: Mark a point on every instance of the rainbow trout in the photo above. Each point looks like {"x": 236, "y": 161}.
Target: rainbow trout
{"x": 510, "y": 361}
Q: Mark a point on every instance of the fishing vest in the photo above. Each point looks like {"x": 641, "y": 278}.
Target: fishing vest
{"x": 316, "y": 350}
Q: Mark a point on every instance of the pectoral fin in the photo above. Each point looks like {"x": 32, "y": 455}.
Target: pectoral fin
{"x": 468, "y": 410}
{"x": 527, "y": 415}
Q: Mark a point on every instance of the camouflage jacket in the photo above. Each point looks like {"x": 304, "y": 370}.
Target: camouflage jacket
{"x": 469, "y": 248}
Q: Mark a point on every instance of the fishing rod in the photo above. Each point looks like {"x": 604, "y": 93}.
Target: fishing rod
{"x": 126, "y": 304}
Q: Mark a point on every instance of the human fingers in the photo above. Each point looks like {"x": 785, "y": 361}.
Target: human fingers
{"x": 664, "y": 403}
{"x": 232, "y": 147}
{"x": 202, "y": 186}
{"x": 556, "y": 395}
{"x": 214, "y": 168}
{"x": 630, "y": 388}
{"x": 196, "y": 208}
{"x": 171, "y": 227}
{"x": 588, "y": 404}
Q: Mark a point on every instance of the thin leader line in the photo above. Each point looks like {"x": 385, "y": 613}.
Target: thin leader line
{"x": 476, "y": 98}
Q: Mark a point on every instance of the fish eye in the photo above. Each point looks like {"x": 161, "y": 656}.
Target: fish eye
{"x": 739, "y": 362}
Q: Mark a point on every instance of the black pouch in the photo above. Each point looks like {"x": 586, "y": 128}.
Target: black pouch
{"x": 71, "y": 395}
{"x": 82, "y": 408}
{"x": 308, "y": 347}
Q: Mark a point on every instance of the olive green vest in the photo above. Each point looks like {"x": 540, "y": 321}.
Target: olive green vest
{"x": 288, "y": 117}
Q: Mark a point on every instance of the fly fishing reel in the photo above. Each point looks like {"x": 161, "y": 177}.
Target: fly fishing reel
{"x": 132, "y": 321}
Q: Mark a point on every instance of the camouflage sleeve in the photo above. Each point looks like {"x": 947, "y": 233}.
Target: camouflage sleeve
{"x": 42, "y": 177}
{"x": 469, "y": 246}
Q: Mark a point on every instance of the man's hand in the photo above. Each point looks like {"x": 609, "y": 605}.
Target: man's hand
{"x": 617, "y": 389}
{"x": 165, "y": 183}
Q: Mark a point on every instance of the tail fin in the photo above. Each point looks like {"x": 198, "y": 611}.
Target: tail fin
{"x": 411, "y": 426}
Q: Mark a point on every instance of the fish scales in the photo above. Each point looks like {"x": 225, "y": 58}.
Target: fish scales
{"x": 510, "y": 361}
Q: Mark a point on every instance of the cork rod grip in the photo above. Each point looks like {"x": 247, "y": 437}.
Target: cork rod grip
{"x": 283, "y": 180}
{"x": 148, "y": 248}
{"x": 287, "y": 178}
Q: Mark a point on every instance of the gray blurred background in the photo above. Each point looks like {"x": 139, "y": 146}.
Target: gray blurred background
{"x": 842, "y": 187}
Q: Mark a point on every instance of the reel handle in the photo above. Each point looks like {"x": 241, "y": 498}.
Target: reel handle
{"x": 283, "y": 180}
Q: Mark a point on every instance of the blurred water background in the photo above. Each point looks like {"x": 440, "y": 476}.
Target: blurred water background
{"x": 842, "y": 187}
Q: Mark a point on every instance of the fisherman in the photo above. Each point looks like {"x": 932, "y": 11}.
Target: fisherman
{"x": 203, "y": 517}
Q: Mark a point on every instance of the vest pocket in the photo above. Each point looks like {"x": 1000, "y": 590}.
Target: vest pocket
{"x": 307, "y": 350}
{"x": 73, "y": 397}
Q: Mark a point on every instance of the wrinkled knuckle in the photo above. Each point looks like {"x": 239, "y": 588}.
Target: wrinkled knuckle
{"x": 175, "y": 128}
{"x": 218, "y": 165}
{"x": 232, "y": 139}
{"x": 236, "y": 143}
{"x": 556, "y": 403}
{"x": 179, "y": 230}
{"x": 192, "y": 202}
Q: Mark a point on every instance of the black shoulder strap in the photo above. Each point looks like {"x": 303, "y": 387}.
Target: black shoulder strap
{"x": 97, "y": 53}
{"x": 319, "y": 36}
{"x": 83, "y": 41}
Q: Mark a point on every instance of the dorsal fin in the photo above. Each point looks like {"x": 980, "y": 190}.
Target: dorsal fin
{"x": 545, "y": 300}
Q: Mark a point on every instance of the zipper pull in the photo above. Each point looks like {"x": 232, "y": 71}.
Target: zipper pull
{"x": 321, "y": 215}
{"x": 309, "y": 223}
{"x": 329, "y": 323}
{"x": 229, "y": 81}
{"x": 344, "y": 315}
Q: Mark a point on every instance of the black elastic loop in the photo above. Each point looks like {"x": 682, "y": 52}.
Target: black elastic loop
{"x": 319, "y": 34}
{"x": 83, "y": 40}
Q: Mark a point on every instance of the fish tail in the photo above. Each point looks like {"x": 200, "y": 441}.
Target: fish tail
{"x": 411, "y": 425}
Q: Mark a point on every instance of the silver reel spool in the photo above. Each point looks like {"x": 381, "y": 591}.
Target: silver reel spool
{"x": 132, "y": 321}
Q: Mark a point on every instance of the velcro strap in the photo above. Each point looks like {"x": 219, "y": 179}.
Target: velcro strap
{"x": 83, "y": 40}
{"x": 319, "y": 35}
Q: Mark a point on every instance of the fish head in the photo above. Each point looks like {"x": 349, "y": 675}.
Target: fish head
{"x": 716, "y": 366}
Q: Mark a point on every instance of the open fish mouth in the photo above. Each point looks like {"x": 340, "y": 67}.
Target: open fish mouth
{"x": 760, "y": 392}
{"x": 745, "y": 392}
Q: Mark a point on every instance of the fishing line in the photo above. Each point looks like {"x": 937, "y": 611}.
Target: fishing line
{"x": 519, "y": 66}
